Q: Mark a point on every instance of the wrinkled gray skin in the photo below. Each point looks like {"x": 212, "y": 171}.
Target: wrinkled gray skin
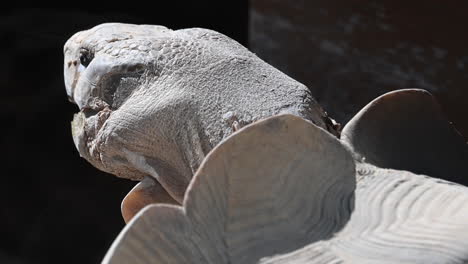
{"x": 155, "y": 101}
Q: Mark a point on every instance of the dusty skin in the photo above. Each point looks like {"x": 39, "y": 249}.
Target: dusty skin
{"x": 241, "y": 165}
{"x": 153, "y": 101}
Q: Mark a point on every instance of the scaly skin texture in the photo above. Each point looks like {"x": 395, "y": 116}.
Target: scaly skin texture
{"x": 155, "y": 101}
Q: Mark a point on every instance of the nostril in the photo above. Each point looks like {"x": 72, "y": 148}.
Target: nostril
{"x": 69, "y": 64}
{"x": 75, "y": 63}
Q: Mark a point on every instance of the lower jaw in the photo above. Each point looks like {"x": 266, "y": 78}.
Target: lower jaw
{"x": 85, "y": 129}
{"x": 81, "y": 134}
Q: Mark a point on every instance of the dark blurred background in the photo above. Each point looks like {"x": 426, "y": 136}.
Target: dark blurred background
{"x": 57, "y": 208}
{"x": 350, "y": 52}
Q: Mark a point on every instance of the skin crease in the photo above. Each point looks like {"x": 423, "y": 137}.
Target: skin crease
{"x": 153, "y": 101}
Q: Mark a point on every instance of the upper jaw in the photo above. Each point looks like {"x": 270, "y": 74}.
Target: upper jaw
{"x": 98, "y": 83}
{"x": 87, "y": 91}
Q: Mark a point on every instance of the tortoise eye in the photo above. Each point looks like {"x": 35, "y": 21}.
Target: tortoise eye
{"x": 86, "y": 57}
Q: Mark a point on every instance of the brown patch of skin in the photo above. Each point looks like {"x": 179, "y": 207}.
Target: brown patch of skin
{"x": 147, "y": 192}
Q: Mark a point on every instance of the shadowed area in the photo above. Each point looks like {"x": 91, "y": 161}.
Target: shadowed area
{"x": 146, "y": 192}
{"x": 283, "y": 190}
{"x": 56, "y": 207}
{"x": 350, "y": 52}
{"x": 406, "y": 130}
{"x": 270, "y": 188}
